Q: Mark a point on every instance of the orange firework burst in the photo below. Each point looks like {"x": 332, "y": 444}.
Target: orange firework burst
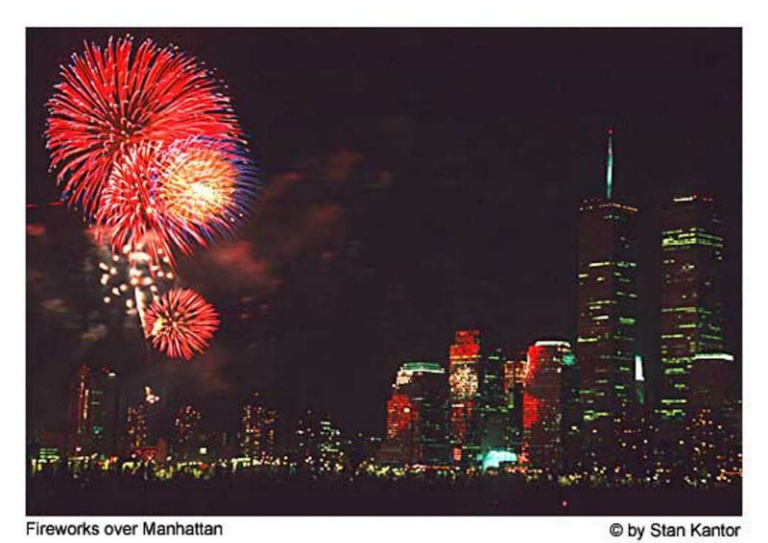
{"x": 180, "y": 323}
{"x": 199, "y": 183}
{"x": 161, "y": 199}
{"x": 134, "y": 215}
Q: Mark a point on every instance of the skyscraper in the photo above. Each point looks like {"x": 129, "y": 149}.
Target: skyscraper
{"x": 464, "y": 379}
{"x": 136, "y": 427}
{"x": 713, "y": 422}
{"x": 317, "y": 445}
{"x": 93, "y": 412}
{"x": 417, "y": 416}
{"x": 187, "y": 428}
{"x": 257, "y": 429}
{"x": 514, "y": 386}
{"x": 692, "y": 247}
{"x": 606, "y": 322}
{"x": 543, "y": 405}
{"x": 478, "y": 404}
{"x": 492, "y": 408}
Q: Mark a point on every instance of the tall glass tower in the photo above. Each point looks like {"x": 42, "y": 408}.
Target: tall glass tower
{"x": 606, "y": 323}
{"x": 692, "y": 246}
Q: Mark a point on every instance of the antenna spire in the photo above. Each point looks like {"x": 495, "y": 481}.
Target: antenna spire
{"x": 609, "y": 166}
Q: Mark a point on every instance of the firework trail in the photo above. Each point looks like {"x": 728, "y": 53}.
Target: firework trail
{"x": 149, "y": 150}
{"x": 113, "y": 98}
{"x": 131, "y": 277}
{"x": 180, "y": 323}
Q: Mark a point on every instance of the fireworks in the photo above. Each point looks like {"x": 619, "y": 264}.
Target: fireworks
{"x": 131, "y": 214}
{"x": 161, "y": 200}
{"x": 205, "y": 185}
{"x": 114, "y": 98}
{"x": 199, "y": 183}
{"x": 148, "y": 148}
{"x": 180, "y": 323}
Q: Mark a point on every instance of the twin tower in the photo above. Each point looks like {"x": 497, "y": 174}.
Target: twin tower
{"x": 577, "y": 406}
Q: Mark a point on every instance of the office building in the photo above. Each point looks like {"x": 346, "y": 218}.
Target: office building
{"x": 417, "y": 416}
{"x": 692, "y": 245}
{"x": 543, "y": 405}
{"x": 606, "y": 324}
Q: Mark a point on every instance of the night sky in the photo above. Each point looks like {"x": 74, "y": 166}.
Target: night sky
{"x": 414, "y": 181}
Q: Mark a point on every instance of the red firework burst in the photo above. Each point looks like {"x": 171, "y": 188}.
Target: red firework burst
{"x": 132, "y": 214}
{"x": 159, "y": 200}
{"x": 180, "y": 323}
{"x": 113, "y": 98}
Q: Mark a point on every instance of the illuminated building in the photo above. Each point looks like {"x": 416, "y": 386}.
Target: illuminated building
{"x": 46, "y": 449}
{"x": 478, "y": 405}
{"x": 543, "y": 405}
{"x": 136, "y": 427}
{"x": 143, "y": 423}
{"x": 187, "y": 431}
{"x": 93, "y": 412}
{"x": 492, "y": 408}
{"x": 417, "y": 421}
{"x": 692, "y": 247}
{"x": 514, "y": 386}
{"x": 318, "y": 445}
{"x": 713, "y": 421}
{"x": 258, "y": 429}
{"x": 463, "y": 370}
{"x": 606, "y": 323}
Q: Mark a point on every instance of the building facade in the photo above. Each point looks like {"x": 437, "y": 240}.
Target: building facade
{"x": 478, "y": 406}
{"x": 257, "y": 429}
{"x": 543, "y": 406}
{"x": 692, "y": 245}
{"x": 93, "y": 422}
{"x": 318, "y": 446}
{"x": 187, "y": 428}
{"x": 606, "y": 325}
{"x": 417, "y": 416}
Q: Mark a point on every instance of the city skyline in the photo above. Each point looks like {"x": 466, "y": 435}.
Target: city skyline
{"x": 575, "y": 410}
{"x": 455, "y": 264}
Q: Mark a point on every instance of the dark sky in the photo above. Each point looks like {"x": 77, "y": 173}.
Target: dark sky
{"x": 414, "y": 181}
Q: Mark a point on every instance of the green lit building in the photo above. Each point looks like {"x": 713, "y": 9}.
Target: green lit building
{"x": 606, "y": 325}
{"x": 692, "y": 247}
{"x": 318, "y": 446}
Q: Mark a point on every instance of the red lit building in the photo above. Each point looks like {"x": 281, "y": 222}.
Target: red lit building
{"x": 542, "y": 405}
{"x": 464, "y": 378}
{"x": 417, "y": 416}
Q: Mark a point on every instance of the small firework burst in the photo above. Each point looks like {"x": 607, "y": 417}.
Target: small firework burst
{"x": 180, "y": 323}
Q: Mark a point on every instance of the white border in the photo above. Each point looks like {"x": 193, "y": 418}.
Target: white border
{"x": 504, "y": 13}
